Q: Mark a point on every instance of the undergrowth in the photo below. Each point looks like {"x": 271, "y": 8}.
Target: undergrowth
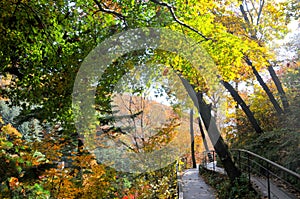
{"x": 239, "y": 189}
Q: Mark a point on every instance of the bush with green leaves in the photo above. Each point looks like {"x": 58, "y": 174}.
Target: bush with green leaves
{"x": 229, "y": 190}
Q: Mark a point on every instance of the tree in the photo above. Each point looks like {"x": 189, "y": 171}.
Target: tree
{"x": 218, "y": 45}
{"x": 214, "y": 135}
{"x": 245, "y": 108}
{"x": 192, "y": 139}
{"x": 255, "y": 20}
{"x": 204, "y": 140}
{"x": 43, "y": 45}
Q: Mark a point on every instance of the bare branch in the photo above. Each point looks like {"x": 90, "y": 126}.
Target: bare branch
{"x": 245, "y": 16}
{"x": 109, "y": 11}
{"x": 248, "y": 10}
{"x": 253, "y": 6}
{"x": 262, "y": 2}
{"x": 170, "y": 7}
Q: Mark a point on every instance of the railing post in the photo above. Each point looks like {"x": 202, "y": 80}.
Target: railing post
{"x": 268, "y": 179}
{"x": 239, "y": 158}
{"x": 205, "y": 163}
{"x": 177, "y": 172}
{"x": 248, "y": 161}
{"x": 214, "y": 167}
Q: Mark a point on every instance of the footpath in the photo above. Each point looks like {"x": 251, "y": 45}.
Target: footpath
{"x": 276, "y": 192}
{"x": 260, "y": 185}
{"x": 194, "y": 187}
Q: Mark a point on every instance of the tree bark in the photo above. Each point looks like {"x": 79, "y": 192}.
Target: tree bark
{"x": 219, "y": 145}
{"x": 279, "y": 87}
{"x": 270, "y": 68}
{"x": 216, "y": 138}
{"x": 265, "y": 87}
{"x": 243, "y": 105}
{"x": 237, "y": 116}
{"x": 204, "y": 140}
{"x": 192, "y": 139}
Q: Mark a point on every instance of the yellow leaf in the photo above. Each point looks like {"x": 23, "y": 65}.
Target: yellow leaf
{"x": 10, "y": 130}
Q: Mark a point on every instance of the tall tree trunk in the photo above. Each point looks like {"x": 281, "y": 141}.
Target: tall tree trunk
{"x": 271, "y": 71}
{"x": 192, "y": 139}
{"x": 213, "y": 132}
{"x": 265, "y": 87}
{"x": 204, "y": 140}
{"x": 237, "y": 109}
{"x": 279, "y": 87}
{"x": 243, "y": 105}
{"x": 216, "y": 138}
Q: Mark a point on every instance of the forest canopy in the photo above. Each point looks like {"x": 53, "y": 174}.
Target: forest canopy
{"x": 248, "y": 81}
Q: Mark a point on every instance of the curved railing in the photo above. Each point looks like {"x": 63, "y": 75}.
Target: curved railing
{"x": 252, "y": 163}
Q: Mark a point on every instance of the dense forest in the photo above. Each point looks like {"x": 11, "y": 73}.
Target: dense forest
{"x": 96, "y": 96}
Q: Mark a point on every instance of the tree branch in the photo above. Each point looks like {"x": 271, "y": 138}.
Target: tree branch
{"x": 262, "y": 2}
{"x": 245, "y": 16}
{"x": 170, "y": 7}
{"x": 248, "y": 10}
{"x": 109, "y": 11}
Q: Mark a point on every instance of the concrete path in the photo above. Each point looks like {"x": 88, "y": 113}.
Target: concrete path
{"x": 194, "y": 187}
{"x": 260, "y": 185}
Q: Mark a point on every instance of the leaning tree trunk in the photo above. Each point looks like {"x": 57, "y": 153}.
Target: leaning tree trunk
{"x": 265, "y": 87}
{"x": 213, "y": 132}
{"x": 243, "y": 105}
{"x": 217, "y": 140}
{"x": 279, "y": 87}
{"x": 253, "y": 34}
{"x": 237, "y": 116}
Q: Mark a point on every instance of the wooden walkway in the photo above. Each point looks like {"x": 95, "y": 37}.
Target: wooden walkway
{"x": 194, "y": 187}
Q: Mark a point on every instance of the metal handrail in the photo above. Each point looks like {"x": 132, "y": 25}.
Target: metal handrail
{"x": 213, "y": 154}
{"x": 269, "y": 164}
